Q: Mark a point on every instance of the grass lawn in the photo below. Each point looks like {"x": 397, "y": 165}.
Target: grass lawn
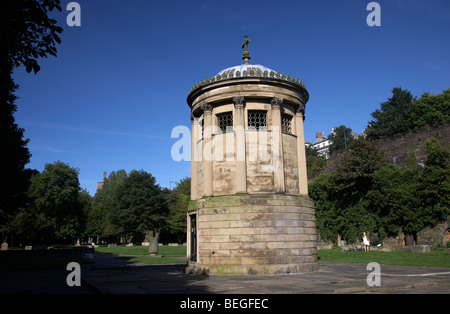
{"x": 436, "y": 258}
{"x": 170, "y": 254}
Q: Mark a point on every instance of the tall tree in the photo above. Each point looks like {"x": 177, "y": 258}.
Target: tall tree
{"x": 340, "y": 196}
{"x": 55, "y": 197}
{"x": 393, "y": 200}
{"x": 103, "y": 204}
{"x": 431, "y": 110}
{"x": 434, "y": 185}
{"x": 140, "y": 206}
{"x": 178, "y": 202}
{"x": 340, "y": 139}
{"x": 355, "y": 172}
{"x": 328, "y": 218}
{"x": 393, "y": 117}
{"x": 26, "y": 33}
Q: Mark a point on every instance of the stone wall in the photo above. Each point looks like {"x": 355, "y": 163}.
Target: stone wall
{"x": 290, "y": 163}
{"x": 397, "y": 149}
{"x": 434, "y": 236}
{"x": 259, "y": 176}
{"x": 255, "y": 234}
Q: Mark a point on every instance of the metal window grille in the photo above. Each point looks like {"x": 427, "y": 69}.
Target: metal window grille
{"x": 286, "y": 123}
{"x": 257, "y": 120}
{"x": 225, "y": 121}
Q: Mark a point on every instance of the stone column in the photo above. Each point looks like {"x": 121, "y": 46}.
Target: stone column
{"x": 194, "y": 160}
{"x": 277, "y": 146}
{"x": 207, "y": 150}
{"x": 301, "y": 153}
{"x": 238, "y": 125}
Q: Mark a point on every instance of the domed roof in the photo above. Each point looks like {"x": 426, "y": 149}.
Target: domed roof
{"x": 231, "y": 71}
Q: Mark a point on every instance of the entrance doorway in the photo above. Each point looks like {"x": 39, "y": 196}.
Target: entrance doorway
{"x": 193, "y": 253}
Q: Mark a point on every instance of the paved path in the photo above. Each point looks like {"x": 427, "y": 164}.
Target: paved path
{"x": 111, "y": 275}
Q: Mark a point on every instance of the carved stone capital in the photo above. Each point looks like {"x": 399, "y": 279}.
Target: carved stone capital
{"x": 276, "y": 102}
{"x": 207, "y": 107}
{"x": 239, "y": 102}
{"x": 194, "y": 119}
{"x": 301, "y": 109}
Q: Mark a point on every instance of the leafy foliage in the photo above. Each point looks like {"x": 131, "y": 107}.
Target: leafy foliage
{"x": 367, "y": 194}
{"x": 314, "y": 163}
{"x": 127, "y": 206}
{"x": 404, "y": 113}
{"x": 340, "y": 139}
{"x": 55, "y": 198}
{"x": 178, "y": 201}
{"x": 139, "y": 205}
{"x": 26, "y": 33}
{"x": 99, "y": 224}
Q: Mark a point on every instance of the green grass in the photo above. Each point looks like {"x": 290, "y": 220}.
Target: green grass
{"x": 170, "y": 254}
{"x": 435, "y": 258}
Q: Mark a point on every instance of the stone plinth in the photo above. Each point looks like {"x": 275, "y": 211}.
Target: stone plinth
{"x": 255, "y": 234}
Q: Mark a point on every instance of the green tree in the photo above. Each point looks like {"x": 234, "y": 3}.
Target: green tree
{"x": 434, "y": 184}
{"x": 393, "y": 200}
{"x": 103, "y": 203}
{"x": 55, "y": 197}
{"x": 314, "y": 163}
{"x": 85, "y": 200}
{"x": 26, "y": 33}
{"x": 431, "y": 110}
{"x": 341, "y": 206}
{"x": 393, "y": 117}
{"x": 140, "y": 206}
{"x": 355, "y": 171}
{"x": 178, "y": 202}
{"x": 340, "y": 139}
{"x": 22, "y": 223}
{"x": 328, "y": 218}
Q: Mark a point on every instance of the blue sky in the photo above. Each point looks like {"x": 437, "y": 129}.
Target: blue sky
{"x": 118, "y": 87}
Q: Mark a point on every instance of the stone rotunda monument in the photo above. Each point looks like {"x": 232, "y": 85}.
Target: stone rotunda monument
{"x": 250, "y": 212}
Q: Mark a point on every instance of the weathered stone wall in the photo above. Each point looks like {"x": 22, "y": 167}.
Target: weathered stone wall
{"x": 256, "y": 234}
{"x": 434, "y": 236}
{"x": 259, "y": 162}
{"x": 397, "y": 149}
{"x": 290, "y": 163}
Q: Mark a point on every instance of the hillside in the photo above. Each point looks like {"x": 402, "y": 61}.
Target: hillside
{"x": 397, "y": 149}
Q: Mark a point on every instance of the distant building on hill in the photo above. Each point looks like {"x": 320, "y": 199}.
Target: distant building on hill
{"x": 100, "y": 184}
{"x": 322, "y": 144}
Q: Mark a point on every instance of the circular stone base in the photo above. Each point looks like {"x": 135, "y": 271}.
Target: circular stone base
{"x": 254, "y": 234}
